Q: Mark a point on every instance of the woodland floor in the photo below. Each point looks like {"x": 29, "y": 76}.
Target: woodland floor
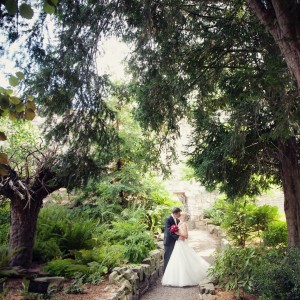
{"x": 203, "y": 243}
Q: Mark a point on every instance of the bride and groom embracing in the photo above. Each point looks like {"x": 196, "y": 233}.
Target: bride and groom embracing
{"x": 182, "y": 265}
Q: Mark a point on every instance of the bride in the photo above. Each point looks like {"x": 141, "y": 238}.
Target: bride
{"x": 185, "y": 267}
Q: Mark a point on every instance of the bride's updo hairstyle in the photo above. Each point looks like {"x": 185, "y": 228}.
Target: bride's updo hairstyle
{"x": 185, "y": 216}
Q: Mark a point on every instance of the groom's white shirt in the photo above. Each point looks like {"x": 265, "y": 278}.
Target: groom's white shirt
{"x": 174, "y": 219}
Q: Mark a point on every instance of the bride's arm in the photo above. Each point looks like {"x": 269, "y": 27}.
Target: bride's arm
{"x": 185, "y": 232}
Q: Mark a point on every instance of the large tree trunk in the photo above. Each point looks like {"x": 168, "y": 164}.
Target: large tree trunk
{"x": 282, "y": 20}
{"x": 291, "y": 186}
{"x": 22, "y": 230}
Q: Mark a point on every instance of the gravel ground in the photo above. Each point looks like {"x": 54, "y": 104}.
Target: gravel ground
{"x": 204, "y": 244}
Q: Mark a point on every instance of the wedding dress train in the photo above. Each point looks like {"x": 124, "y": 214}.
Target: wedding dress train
{"x": 185, "y": 267}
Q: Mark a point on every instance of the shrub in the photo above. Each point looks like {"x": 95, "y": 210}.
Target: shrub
{"x": 66, "y": 267}
{"x": 278, "y": 276}
{"x": 244, "y": 221}
{"x": 261, "y": 216}
{"x": 5, "y": 256}
{"x": 108, "y": 256}
{"x": 112, "y": 255}
{"x": 233, "y": 268}
{"x": 59, "y": 233}
{"x": 77, "y": 235}
{"x": 157, "y": 217}
{"x": 46, "y": 250}
{"x": 137, "y": 247}
{"x": 217, "y": 212}
{"x": 276, "y": 234}
{"x": 4, "y": 223}
{"x": 237, "y": 222}
{"x": 76, "y": 286}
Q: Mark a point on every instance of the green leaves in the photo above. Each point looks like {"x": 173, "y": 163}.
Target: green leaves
{"x": 48, "y": 8}
{"x": 12, "y": 105}
{"x": 26, "y": 11}
{"x": 11, "y": 7}
{"x": 29, "y": 114}
{"x": 13, "y": 80}
{"x": 20, "y": 75}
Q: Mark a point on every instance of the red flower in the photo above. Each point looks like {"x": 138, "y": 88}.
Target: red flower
{"x": 174, "y": 228}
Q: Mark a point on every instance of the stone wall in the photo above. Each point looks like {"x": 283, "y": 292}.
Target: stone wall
{"x": 134, "y": 281}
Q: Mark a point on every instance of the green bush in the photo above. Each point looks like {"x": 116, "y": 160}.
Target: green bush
{"x": 46, "y": 250}
{"x": 59, "y": 233}
{"x": 277, "y": 276}
{"x": 108, "y": 256}
{"x": 157, "y": 217}
{"x": 112, "y": 255}
{"x": 276, "y": 234}
{"x": 5, "y": 256}
{"x": 77, "y": 235}
{"x": 217, "y": 212}
{"x": 261, "y": 216}
{"x": 244, "y": 221}
{"x": 66, "y": 267}
{"x": 4, "y": 223}
{"x": 233, "y": 268}
{"x": 238, "y": 223}
{"x": 76, "y": 286}
{"x": 89, "y": 248}
{"x": 137, "y": 247}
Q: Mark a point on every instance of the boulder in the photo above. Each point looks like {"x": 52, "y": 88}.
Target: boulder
{"x": 207, "y": 288}
{"x": 113, "y": 276}
{"x": 139, "y": 272}
{"x": 46, "y": 285}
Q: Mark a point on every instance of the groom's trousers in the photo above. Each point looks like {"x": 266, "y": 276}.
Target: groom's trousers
{"x": 168, "y": 253}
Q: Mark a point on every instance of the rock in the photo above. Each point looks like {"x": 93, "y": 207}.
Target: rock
{"x": 113, "y": 277}
{"x": 160, "y": 269}
{"x": 147, "y": 270}
{"x": 139, "y": 271}
{"x": 224, "y": 243}
{"x": 144, "y": 286}
{"x": 160, "y": 245}
{"x": 46, "y": 285}
{"x": 211, "y": 228}
{"x": 207, "y": 288}
{"x": 153, "y": 277}
{"x": 117, "y": 269}
{"x": 128, "y": 274}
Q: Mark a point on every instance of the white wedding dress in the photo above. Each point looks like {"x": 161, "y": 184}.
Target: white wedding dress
{"x": 185, "y": 267}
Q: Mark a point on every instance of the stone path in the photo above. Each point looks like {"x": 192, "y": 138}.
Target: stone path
{"x": 204, "y": 244}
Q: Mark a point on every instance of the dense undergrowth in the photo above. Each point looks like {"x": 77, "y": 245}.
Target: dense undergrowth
{"x": 90, "y": 235}
{"x": 257, "y": 260}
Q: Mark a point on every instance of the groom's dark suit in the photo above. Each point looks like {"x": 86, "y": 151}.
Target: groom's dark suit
{"x": 169, "y": 239}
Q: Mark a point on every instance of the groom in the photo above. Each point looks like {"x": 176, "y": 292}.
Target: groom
{"x": 169, "y": 237}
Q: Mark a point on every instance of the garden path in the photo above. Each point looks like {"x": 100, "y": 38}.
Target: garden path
{"x": 204, "y": 244}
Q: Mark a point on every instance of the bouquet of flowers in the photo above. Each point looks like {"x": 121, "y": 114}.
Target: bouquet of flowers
{"x": 174, "y": 228}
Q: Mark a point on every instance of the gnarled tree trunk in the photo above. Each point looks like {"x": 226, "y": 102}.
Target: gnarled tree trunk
{"x": 290, "y": 175}
{"x": 282, "y": 20}
{"x": 26, "y": 199}
{"x": 22, "y": 230}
